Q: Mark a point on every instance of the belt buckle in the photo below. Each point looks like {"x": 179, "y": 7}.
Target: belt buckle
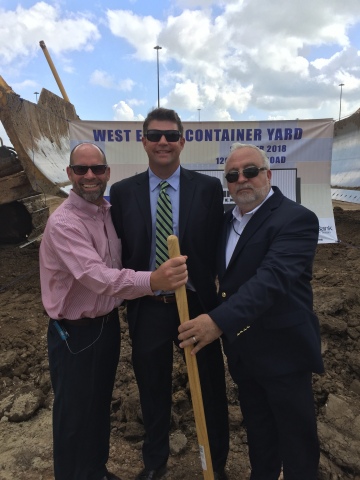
{"x": 167, "y": 298}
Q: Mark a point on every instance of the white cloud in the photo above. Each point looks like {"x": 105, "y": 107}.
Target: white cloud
{"x": 185, "y": 95}
{"x": 103, "y": 79}
{"x": 122, "y": 111}
{"x": 26, "y": 83}
{"x": 196, "y": 3}
{"x": 140, "y": 32}
{"x": 236, "y": 59}
{"x": 26, "y": 27}
{"x": 321, "y": 63}
{"x": 127, "y": 84}
{"x": 253, "y": 54}
{"x": 135, "y": 102}
{"x": 351, "y": 82}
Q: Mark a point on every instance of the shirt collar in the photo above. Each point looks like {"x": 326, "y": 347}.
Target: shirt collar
{"x": 85, "y": 206}
{"x": 173, "y": 181}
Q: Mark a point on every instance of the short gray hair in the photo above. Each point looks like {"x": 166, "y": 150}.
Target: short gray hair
{"x": 237, "y": 146}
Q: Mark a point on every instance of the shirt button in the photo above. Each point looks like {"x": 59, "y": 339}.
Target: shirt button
{"x": 223, "y": 294}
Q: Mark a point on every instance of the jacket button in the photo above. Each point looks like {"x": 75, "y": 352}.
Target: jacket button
{"x": 223, "y": 294}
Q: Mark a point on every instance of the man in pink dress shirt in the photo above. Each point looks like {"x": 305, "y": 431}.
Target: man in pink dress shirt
{"x": 83, "y": 284}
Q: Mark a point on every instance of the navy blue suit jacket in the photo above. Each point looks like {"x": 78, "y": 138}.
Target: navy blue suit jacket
{"x": 266, "y": 310}
{"x": 200, "y": 220}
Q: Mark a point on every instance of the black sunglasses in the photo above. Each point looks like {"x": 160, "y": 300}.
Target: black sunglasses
{"x": 170, "y": 135}
{"x": 83, "y": 169}
{"x": 248, "y": 172}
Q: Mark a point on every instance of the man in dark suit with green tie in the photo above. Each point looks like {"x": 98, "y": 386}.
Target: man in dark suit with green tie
{"x": 197, "y": 211}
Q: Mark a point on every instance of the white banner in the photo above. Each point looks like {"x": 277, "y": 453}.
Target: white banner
{"x": 299, "y": 152}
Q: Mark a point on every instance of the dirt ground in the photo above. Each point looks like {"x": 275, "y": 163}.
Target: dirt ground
{"x": 26, "y": 397}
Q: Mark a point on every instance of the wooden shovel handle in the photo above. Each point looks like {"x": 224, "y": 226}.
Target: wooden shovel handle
{"x": 193, "y": 374}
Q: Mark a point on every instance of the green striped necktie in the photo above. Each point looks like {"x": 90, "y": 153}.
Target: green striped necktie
{"x": 164, "y": 224}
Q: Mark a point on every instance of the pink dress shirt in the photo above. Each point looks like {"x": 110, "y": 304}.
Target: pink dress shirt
{"x": 81, "y": 273}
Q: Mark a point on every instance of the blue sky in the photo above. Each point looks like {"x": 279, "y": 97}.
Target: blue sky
{"x": 220, "y": 60}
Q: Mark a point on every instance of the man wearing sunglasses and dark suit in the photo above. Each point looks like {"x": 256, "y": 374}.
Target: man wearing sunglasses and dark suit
{"x": 82, "y": 285}
{"x": 269, "y": 330}
{"x": 197, "y": 210}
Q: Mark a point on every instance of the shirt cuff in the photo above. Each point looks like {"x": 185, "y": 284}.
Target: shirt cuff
{"x": 142, "y": 282}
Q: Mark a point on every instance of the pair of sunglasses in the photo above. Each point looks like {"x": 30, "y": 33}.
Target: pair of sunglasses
{"x": 170, "y": 135}
{"x": 248, "y": 172}
{"x": 83, "y": 169}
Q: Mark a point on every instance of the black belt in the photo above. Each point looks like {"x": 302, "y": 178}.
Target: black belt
{"x": 168, "y": 298}
{"x": 87, "y": 322}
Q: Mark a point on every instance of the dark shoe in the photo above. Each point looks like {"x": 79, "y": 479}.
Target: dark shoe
{"x": 152, "y": 474}
{"x": 110, "y": 476}
{"x": 220, "y": 475}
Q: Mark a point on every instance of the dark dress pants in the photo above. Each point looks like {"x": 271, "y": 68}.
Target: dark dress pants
{"x": 155, "y": 332}
{"x": 279, "y": 414}
{"x": 83, "y": 385}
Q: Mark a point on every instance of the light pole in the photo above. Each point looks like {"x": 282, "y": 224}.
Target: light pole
{"x": 157, "y": 48}
{"x": 340, "y": 85}
{"x": 36, "y": 95}
{"x": 199, "y": 110}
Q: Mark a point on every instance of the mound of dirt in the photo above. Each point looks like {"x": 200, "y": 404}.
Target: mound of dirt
{"x": 26, "y": 396}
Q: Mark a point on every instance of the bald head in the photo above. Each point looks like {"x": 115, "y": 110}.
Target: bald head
{"x": 84, "y": 148}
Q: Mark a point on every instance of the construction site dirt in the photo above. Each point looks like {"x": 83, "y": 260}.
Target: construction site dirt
{"x": 26, "y": 395}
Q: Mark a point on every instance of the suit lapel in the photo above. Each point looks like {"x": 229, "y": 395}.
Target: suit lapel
{"x": 223, "y": 243}
{"x": 187, "y": 190}
{"x": 143, "y": 201}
